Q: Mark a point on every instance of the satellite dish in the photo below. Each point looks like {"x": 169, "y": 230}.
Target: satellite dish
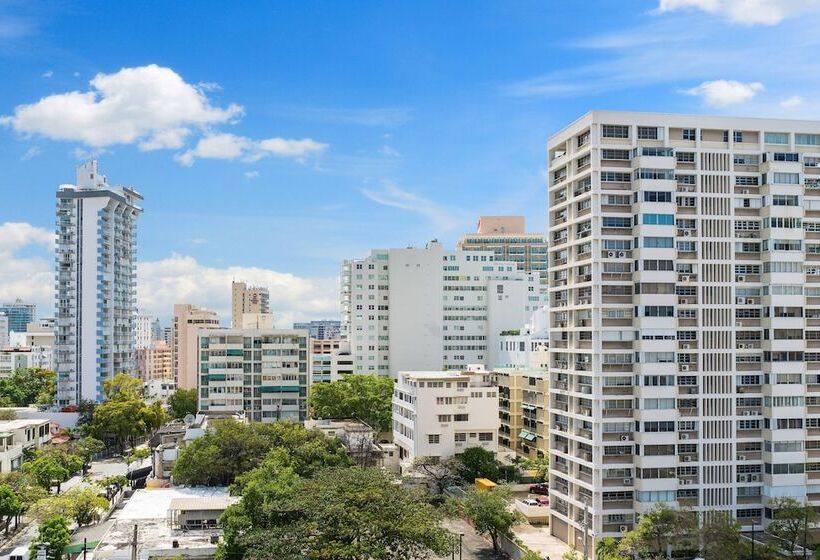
{"x": 189, "y": 419}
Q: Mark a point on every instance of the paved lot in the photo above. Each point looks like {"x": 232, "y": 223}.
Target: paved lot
{"x": 473, "y": 545}
{"x": 540, "y": 540}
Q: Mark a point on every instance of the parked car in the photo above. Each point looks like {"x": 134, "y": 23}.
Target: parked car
{"x": 542, "y": 500}
{"x": 542, "y": 488}
{"x": 529, "y": 502}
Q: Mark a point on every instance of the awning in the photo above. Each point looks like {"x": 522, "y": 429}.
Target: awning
{"x": 76, "y": 548}
{"x": 527, "y": 435}
{"x": 528, "y": 406}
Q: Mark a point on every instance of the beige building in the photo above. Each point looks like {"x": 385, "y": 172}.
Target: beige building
{"x": 507, "y": 238}
{"x": 155, "y": 362}
{"x": 523, "y": 396}
{"x": 248, "y": 299}
{"x": 331, "y": 359}
{"x": 188, "y": 320}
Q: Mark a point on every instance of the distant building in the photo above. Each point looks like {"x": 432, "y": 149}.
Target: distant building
{"x": 19, "y": 314}
{"x": 247, "y": 299}
{"x": 441, "y": 413}
{"x": 18, "y": 436}
{"x": 155, "y": 362}
{"x": 331, "y": 359}
{"x": 21, "y": 357}
{"x": 147, "y": 331}
{"x": 261, "y": 372}
{"x": 96, "y": 284}
{"x": 508, "y": 240}
{"x": 188, "y": 321}
{"x": 321, "y": 330}
{"x": 4, "y": 330}
{"x": 432, "y": 309}
{"x": 360, "y": 441}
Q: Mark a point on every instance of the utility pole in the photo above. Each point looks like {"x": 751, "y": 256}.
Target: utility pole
{"x": 460, "y": 538}
{"x": 586, "y": 529}
{"x": 134, "y": 545}
{"x": 753, "y": 541}
{"x": 85, "y": 547}
{"x": 805, "y": 529}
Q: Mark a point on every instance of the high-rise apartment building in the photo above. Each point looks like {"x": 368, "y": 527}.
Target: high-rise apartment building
{"x": 155, "y": 362}
{"x": 322, "y": 330}
{"x": 188, "y": 321}
{"x": 263, "y": 373}
{"x": 19, "y": 314}
{"x": 95, "y": 284}
{"x": 430, "y": 309}
{"x": 685, "y": 367}
{"x": 331, "y": 360}
{"x": 247, "y": 299}
{"x": 4, "y": 330}
{"x": 507, "y": 238}
{"x": 147, "y": 331}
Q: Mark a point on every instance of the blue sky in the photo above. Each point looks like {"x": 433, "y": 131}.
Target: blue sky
{"x": 292, "y": 135}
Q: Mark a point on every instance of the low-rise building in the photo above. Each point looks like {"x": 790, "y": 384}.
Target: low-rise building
{"x": 20, "y": 357}
{"x": 442, "y": 413}
{"x": 331, "y": 359}
{"x": 360, "y": 440}
{"x": 17, "y": 436}
{"x": 261, "y": 372}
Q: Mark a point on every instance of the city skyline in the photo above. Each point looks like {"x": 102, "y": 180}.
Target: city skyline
{"x": 453, "y": 126}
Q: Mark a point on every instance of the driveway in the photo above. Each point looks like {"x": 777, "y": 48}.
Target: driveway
{"x": 473, "y": 545}
{"x": 540, "y": 540}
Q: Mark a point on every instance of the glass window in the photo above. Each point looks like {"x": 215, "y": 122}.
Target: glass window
{"x": 776, "y": 138}
{"x": 615, "y": 131}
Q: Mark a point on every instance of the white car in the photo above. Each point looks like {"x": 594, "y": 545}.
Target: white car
{"x": 529, "y": 502}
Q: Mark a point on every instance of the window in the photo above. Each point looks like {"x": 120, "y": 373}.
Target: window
{"x": 656, "y": 196}
{"x": 615, "y": 155}
{"x": 433, "y": 438}
{"x": 615, "y": 131}
{"x": 747, "y": 159}
{"x": 485, "y": 436}
{"x": 686, "y": 157}
{"x": 647, "y": 133}
{"x": 688, "y": 133}
{"x": 781, "y": 178}
{"x": 785, "y": 156}
{"x": 616, "y": 222}
{"x": 737, "y": 136}
{"x": 460, "y": 437}
{"x": 658, "y": 242}
{"x": 655, "y": 264}
{"x": 583, "y": 139}
{"x": 659, "y": 311}
{"x": 615, "y": 177}
{"x": 807, "y": 139}
{"x": 658, "y": 219}
{"x": 743, "y": 180}
{"x": 685, "y": 179}
{"x": 659, "y": 174}
{"x": 776, "y": 138}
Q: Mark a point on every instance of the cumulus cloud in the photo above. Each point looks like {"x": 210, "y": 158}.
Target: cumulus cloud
{"x": 791, "y": 102}
{"x": 231, "y": 147}
{"x": 745, "y": 12}
{"x": 151, "y": 105}
{"x": 721, "y": 93}
{"x": 26, "y": 252}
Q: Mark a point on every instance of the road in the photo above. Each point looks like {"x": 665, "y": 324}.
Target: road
{"x": 473, "y": 545}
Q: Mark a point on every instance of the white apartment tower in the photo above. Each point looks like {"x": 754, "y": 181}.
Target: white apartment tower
{"x": 430, "y": 309}
{"x": 685, "y": 316}
{"x": 95, "y": 284}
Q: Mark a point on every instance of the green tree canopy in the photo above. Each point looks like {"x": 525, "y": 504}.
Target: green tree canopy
{"x": 183, "y": 402}
{"x": 490, "y": 513}
{"x": 86, "y": 448}
{"x": 234, "y": 448}
{"x": 55, "y": 535}
{"x": 47, "y": 471}
{"x": 83, "y": 505}
{"x": 122, "y": 386}
{"x": 791, "y": 519}
{"x": 366, "y": 397}
{"x": 720, "y": 537}
{"x": 10, "y": 504}
{"x": 658, "y": 529}
{"x": 477, "y": 462}
{"x": 125, "y": 416}
{"x": 351, "y": 513}
{"x": 26, "y": 386}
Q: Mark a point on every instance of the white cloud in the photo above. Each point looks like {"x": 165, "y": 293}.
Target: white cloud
{"x": 231, "y": 147}
{"x": 47, "y": 74}
{"x": 390, "y": 151}
{"x": 176, "y": 279}
{"x": 791, "y": 102}
{"x": 150, "y": 104}
{"x": 251, "y": 174}
{"x": 392, "y": 195}
{"x": 721, "y": 93}
{"x": 32, "y": 152}
{"x": 745, "y": 12}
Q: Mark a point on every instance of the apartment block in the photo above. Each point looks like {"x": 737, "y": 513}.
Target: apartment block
{"x": 155, "y": 362}
{"x": 326, "y": 329}
{"x": 442, "y": 413}
{"x": 263, "y": 373}
{"x": 507, "y": 238}
{"x": 4, "y": 330}
{"x": 247, "y": 299}
{"x": 188, "y": 321}
{"x": 684, "y": 355}
{"x": 19, "y": 314}
{"x": 95, "y": 284}
{"x": 147, "y": 331}
{"x": 23, "y": 357}
{"x": 331, "y": 360}
{"x": 430, "y": 309}
{"x": 523, "y": 402}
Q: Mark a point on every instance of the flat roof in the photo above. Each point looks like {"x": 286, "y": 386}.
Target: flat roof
{"x": 201, "y": 503}
{"x": 22, "y": 423}
{"x": 155, "y": 503}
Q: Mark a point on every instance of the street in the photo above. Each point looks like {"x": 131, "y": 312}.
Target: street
{"x": 473, "y": 545}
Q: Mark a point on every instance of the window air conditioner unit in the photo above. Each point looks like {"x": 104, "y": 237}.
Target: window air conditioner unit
{"x": 739, "y": 323}
{"x": 686, "y": 347}
{"x": 754, "y": 478}
{"x": 740, "y": 278}
{"x": 611, "y": 254}
{"x": 627, "y": 482}
{"x": 687, "y": 233}
{"x": 741, "y": 457}
{"x": 741, "y": 301}
{"x": 686, "y": 458}
{"x": 623, "y": 528}
{"x": 684, "y": 436}
{"x": 742, "y": 478}
{"x": 684, "y": 278}
{"x": 748, "y": 346}
{"x": 621, "y": 254}
{"x": 684, "y": 367}
{"x": 624, "y": 437}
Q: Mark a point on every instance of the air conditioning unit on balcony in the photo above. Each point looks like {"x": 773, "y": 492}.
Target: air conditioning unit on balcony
{"x": 684, "y": 436}
{"x": 625, "y": 437}
{"x": 686, "y": 346}
{"x": 627, "y": 482}
{"x": 623, "y": 528}
{"x": 684, "y": 367}
{"x": 611, "y": 254}
{"x": 741, "y": 301}
{"x": 742, "y": 478}
{"x": 754, "y": 478}
{"x": 741, "y": 457}
{"x": 621, "y": 254}
{"x": 687, "y": 233}
{"x": 686, "y": 458}
{"x": 685, "y": 481}
{"x": 748, "y": 346}
{"x": 739, "y": 323}
{"x": 740, "y": 278}
{"x": 684, "y": 278}
{"x": 744, "y": 191}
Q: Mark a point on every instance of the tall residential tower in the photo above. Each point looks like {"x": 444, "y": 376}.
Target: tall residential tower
{"x": 95, "y": 284}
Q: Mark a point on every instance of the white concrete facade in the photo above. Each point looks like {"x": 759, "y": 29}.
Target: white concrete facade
{"x": 95, "y": 284}
{"x": 442, "y": 413}
{"x": 431, "y": 309}
{"x": 684, "y": 316}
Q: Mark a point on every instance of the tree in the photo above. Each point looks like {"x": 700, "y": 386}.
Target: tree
{"x": 54, "y": 534}
{"x": 366, "y": 397}
{"x": 25, "y": 488}
{"x": 183, "y": 402}
{"x": 489, "y": 512}
{"x": 607, "y": 549}
{"x": 125, "y": 416}
{"x": 541, "y": 466}
{"x": 7, "y": 413}
{"x": 659, "y": 528}
{"x": 349, "y": 512}
{"x": 83, "y": 505}
{"x": 571, "y": 554}
{"x": 791, "y": 522}
{"x": 26, "y": 386}
{"x": 477, "y": 462}
{"x": 10, "y": 505}
{"x": 720, "y": 538}
{"x": 87, "y": 448}
{"x": 122, "y": 387}
{"x": 439, "y": 474}
{"x": 531, "y": 555}
{"x": 47, "y": 471}
{"x": 136, "y": 455}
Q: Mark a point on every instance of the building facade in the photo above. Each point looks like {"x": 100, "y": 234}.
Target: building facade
{"x": 95, "y": 284}
{"x": 23, "y": 357}
{"x": 19, "y": 314}
{"x": 507, "y": 238}
{"x": 331, "y": 359}
{"x": 147, "y": 331}
{"x": 247, "y": 299}
{"x": 4, "y": 330}
{"x": 321, "y": 330}
{"x": 431, "y": 309}
{"x": 155, "y": 362}
{"x": 188, "y": 321}
{"x": 261, "y": 372}
{"x": 442, "y": 413}
{"x": 683, "y": 355}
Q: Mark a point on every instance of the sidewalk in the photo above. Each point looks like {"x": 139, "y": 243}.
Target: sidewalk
{"x": 473, "y": 545}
